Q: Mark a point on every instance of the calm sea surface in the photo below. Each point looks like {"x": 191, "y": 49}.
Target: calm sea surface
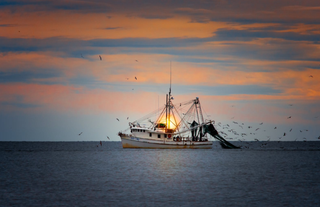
{"x": 87, "y": 174}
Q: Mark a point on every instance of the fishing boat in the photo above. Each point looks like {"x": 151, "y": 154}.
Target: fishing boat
{"x": 175, "y": 126}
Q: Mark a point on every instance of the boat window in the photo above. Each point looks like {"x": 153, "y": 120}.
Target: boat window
{"x": 131, "y": 130}
{"x": 150, "y": 134}
{"x": 165, "y": 136}
{"x": 159, "y": 136}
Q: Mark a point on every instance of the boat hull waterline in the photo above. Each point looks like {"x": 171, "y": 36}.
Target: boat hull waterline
{"x": 135, "y": 142}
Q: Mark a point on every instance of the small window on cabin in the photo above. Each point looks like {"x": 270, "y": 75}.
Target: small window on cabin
{"x": 150, "y": 134}
{"x": 165, "y": 136}
{"x": 131, "y": 130}
{"x": 159, "y": 135}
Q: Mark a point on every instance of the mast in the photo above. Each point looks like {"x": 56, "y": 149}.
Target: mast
{"x": 170, "y": 81}
{"x": 168, "y": 104}
{"x": 166, "y": 112}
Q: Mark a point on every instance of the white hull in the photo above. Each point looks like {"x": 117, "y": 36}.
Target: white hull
{"x": 136, "y": 142}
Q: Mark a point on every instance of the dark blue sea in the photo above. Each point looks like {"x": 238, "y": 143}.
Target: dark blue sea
{"x": 88, "y": 174}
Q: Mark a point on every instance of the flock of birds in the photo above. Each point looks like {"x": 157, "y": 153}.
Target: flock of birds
{"x": 254, "y": 130}
{"x": 227, "y": 125}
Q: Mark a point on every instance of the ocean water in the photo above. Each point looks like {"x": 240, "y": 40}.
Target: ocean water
{"x": 87, "y": 174}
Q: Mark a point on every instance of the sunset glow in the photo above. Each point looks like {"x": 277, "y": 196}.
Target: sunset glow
{"x": 250, "y": 61}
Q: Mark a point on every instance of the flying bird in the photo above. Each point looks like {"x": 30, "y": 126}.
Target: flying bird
{"x": 284, "y": 134}
{"x": 100, "y": 57}
{"x": 261, "y": 123}
{"x": 127, "y": 118}
{"x": 136, "y": 60}
{"x": 311, "y": 76}
{"x": 275, "y": 127}
{"x": 290, "y": 130}
{"x": 289, "y": 117}
{"x": 80, "y": 133}
{"x": 136, "y": 78}
{"x": 108, "y": 138}
{"x": 117, "y": 119}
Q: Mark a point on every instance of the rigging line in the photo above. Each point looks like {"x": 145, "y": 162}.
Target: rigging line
{"x": 175, "y": 121}
{"x": 205, "y": 113}
{"x": 190, "y": 108}
{"x": 147, "y": 116}
{"x": 181, "y": 118}
{"x": 200, "y": 110}
{"x": 174, "y": 117}
{"x": 158, "y": 119}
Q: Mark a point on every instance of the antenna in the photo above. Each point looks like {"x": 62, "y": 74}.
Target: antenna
{"x": 170, "y": 80}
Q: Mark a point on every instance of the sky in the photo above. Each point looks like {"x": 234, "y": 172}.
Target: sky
{"x": 248, "y": 61}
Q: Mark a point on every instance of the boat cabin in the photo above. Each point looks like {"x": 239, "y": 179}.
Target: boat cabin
{"x": 150, "y": 134}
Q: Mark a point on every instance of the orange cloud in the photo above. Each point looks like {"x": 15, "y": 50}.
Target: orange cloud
{"x": 99, "y": 26}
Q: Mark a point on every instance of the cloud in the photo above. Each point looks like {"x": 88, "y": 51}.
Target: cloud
{"x": 226, "y": 90}
{"x": 247, "y": 35}
{"x": 8, "y": 25}
{"x": 26, "y": 76}
{"x": 111, "y": 28}
{"x": 155, "y": 16}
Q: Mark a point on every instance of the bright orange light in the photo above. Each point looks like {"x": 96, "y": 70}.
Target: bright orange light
{"x": 171, "y": 123}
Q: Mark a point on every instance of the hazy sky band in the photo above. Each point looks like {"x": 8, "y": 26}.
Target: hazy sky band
{"x": 226, "y": 52}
